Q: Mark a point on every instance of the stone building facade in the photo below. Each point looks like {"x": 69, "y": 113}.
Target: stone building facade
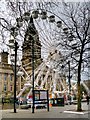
{"x": 7, "y": 77}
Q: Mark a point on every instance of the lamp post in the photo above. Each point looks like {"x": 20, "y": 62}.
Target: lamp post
{"x": 69, "y": 81}
{"x": 33, "y": 74}
{"x": 15, "y": 75}
{"x": 15, "y": 71}
{"x": 14, "y": 45}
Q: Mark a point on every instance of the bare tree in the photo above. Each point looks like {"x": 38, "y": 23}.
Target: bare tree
{"x": 77, "y": 37}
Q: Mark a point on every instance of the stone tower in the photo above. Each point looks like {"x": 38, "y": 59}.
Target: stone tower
{"x": 31, "y": 34}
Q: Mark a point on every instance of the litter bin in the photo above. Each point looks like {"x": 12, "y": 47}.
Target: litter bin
{"x": 57, "y": 101}
{"x": 60, "y": 101}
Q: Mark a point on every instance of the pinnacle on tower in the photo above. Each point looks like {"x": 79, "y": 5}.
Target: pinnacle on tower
{"x": 31, "y": 19}
{"x": 31, "y": 27}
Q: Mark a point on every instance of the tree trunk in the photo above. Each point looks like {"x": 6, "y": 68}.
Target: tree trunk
{"x": 79, "y": 107}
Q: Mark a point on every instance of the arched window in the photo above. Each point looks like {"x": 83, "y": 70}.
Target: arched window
{"x": 11, "y": 87}
{"x": 5, "y": 76}
{"x": 11, "y": 77}
{"x": 5, "y": 87}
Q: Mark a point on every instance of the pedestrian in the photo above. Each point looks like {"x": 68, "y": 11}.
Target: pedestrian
{"x": 2, "y": 102}
{"x": 87, "y": 98}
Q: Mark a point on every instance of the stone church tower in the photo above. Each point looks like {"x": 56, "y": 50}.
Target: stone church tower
{"x": 30, "y": 35}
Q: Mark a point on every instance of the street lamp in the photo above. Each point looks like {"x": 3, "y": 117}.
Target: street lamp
{"x": 69, "y": 82}
{"x": 15, "y": 47}
{"x": 16, "y": 73}
{"x": 15, "y": 76}
{"x": 33, "y": 73}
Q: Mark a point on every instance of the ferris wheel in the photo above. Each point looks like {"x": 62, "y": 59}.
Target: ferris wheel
{"x": 49, "y": 74}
